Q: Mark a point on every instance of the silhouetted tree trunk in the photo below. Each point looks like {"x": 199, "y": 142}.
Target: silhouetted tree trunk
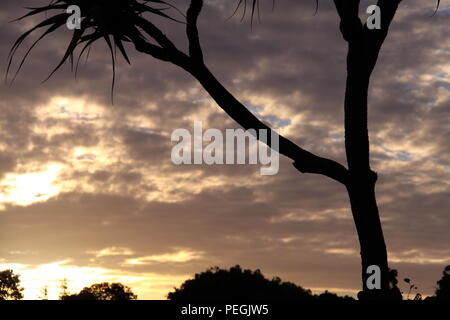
{"x": 363, "y": 49}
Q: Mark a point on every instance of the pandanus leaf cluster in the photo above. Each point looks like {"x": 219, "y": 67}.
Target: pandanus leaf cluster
{"x": 114, "y": 21}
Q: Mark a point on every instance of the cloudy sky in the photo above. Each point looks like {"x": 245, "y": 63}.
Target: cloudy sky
{"x": 88, "y": 191}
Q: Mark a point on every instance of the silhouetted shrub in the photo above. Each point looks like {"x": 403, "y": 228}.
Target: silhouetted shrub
{"x": 218, "y": 284}
{"x": 103, "y": 291}
{"x": 443, "y": 285}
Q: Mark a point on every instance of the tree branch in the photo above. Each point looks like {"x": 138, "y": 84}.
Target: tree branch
{"x": 156, "y": 34}
{"x": 165, "y": 50}
{"x": 304, "y": 161}
{"x": 375, "y": 38}
{"x": 364, "y": 46}
{"x": 153, "y": 50}
{"x": 195, "y": 49}
{"x": 350, "y": 25}
{"x": 355, "y": 105}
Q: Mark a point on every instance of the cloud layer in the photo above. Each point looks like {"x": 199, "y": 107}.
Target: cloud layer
{"x": 88, "y": 185}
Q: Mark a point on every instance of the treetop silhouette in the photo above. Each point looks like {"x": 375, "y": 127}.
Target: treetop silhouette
{"x": 443, "y": 285}
{"x": 237, "y": 284}
{"x": 103, "y": 291}
{"x": 10, "y": 286}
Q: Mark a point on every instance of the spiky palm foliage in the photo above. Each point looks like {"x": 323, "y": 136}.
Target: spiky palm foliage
{"x": 114, "y": 21}
{"x": 254, "y": 7}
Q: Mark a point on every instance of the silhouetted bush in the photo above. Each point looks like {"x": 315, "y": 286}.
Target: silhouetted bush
{"x": 218, "y": 284}
{"x": 103, "y": 291}
{"x": 10, "y": 286}
{"x": 443, "y": 285}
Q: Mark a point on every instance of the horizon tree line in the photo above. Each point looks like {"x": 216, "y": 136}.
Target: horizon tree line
{"x": 215, "y": 284}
